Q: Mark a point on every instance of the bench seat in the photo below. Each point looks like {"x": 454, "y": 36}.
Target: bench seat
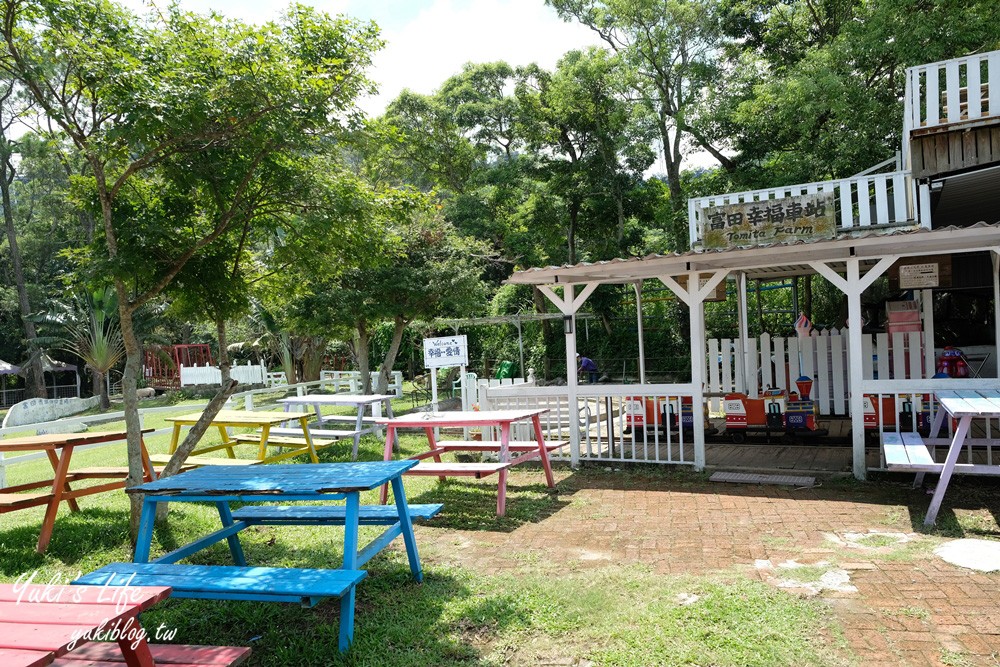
{"x": 477, "y": 470}
{"x": 16, "y": 501}
{"x": 314, "y": 432}
{"x": 369, "y": 515}
{"x": 230, "y": 582}
{"x": 907, "y": 452}
{"x": 195, "y": 461}
{"x": 107, "y": 654}
{"x": 233, "y": 582}
{"x": 280, "y": 440}
{"x": 494, "y": 445}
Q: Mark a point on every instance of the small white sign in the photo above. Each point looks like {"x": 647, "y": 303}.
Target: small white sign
{"x": 445, "y": 352}
{"x": 918, "y": 276}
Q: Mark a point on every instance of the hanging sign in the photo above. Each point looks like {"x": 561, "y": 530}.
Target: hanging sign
{"x": 918, "y": 276}
{"x": 921, "y": 272}
{"x": 444, "y": 352}
{"x": 800, "y": 218}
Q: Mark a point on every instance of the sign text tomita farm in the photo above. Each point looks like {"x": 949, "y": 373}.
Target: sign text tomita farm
{"x": 801, "y": 218}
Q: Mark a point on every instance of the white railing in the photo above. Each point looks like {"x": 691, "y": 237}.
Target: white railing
{"x": 352, "y": 380}
{"x": 951, "y": 91}
{"x": 861, "y": 201}
{"x": 777, "y": 362}
{"x": 248, "y": 374}
{"x": 618, "y": 423}
{"x": 909, "y": 405}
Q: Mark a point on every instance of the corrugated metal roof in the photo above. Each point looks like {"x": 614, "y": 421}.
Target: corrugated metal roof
{"x": 776, "y": 259}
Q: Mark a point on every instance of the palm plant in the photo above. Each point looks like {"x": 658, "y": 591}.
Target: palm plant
{"x": 87, "y": 326}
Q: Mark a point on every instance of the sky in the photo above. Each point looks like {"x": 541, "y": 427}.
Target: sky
{"x": 428, "y": 41}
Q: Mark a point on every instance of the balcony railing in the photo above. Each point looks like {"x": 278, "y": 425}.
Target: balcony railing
{"x": 951, "y": 91}
{"x": 862, "y": 201}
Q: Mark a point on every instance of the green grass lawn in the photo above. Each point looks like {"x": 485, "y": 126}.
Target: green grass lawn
{"x": 620, "y": 615}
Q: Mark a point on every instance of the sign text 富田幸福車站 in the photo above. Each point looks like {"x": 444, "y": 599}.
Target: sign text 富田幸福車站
{"x": 800, "y": 218}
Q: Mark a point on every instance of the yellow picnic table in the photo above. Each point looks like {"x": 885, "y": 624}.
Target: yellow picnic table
{"x": 247, "y": 419}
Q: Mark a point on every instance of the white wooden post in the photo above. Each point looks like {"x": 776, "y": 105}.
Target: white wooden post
{"x": 568, "y": 304}
{"x": 852, "y": 286}
{"x": 638, "y": 315}
{"x": 749, "y": 384}
{"x": 927, "y": 305}
{"x": 694, "y": 297}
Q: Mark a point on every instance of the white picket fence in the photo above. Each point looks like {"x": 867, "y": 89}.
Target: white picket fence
{"x": 351, "y": 381}
{"x": 248, "y": 374}
{"x": 777, "y": 362}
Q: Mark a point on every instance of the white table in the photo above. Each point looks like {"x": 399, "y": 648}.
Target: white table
{"x": 963, "y": 405}
{"x": 360, "y": 402}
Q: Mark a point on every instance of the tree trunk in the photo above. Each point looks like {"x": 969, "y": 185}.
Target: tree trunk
{"x": 34, "y": 375}
{"x": 133, "y": 368}
{"x": 100, "y": 387}
{"x": 360, "y": 349}
{"x": 807, "y": 296}
{"x": 574, "y": 216}
{"x": 390, "y": 356}
{"x": 224, "y": 364}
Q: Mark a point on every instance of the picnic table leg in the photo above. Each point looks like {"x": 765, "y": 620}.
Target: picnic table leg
{"x": 175, "y": 436}
{"x": 390, "y": 433}
{"x": 224, "y": 432}
{"x": 542, "y": 451}
{"x": 234, "y": 540}
{"x": 135, "y": 653}
{"x": 357, "y": 432}
{"x": 144, "y": 538}
{"x": 949, "y": 466}
{"x": 406, "y": 527}
{"x": 58, "y": 484}
{"x": 504, "y": 458}
{"x": 353, "y": 503}
{"x": 304, "y": 423}
{"x": 265, "y": 432}
{"x": 434, "y": 448}
{"x": 54, "y": 460}
{"x": 147, "y": 466}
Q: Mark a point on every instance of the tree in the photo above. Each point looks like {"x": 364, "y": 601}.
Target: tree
{"x": 87, "y": 326}
{"x": 671, "y": 48}
{"x": 11, "y": 111}
{"x": 132, "y": 95}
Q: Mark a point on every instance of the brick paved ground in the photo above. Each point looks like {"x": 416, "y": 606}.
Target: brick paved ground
{"x": 910, "y": 608}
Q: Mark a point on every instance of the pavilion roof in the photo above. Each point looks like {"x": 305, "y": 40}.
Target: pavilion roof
{"x": 778, "y": 260}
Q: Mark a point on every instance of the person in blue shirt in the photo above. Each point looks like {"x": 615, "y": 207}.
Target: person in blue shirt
{"x": 588, "y": 366}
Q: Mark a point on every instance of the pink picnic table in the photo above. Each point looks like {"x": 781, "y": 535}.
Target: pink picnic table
{"x": 503, "y": 419}
{"x": 42, "y": 624}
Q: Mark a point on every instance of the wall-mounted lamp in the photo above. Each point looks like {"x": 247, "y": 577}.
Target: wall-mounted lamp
{"x": 567, "y": 324}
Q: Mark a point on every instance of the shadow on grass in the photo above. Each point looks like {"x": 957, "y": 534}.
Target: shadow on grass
{"x": 473, "y": 505}
{"x": 76, "y": 537}
{"x": 397, "y": 622}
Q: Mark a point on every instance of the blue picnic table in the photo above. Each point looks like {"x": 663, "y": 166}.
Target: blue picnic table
{"x": 274, "y": 483}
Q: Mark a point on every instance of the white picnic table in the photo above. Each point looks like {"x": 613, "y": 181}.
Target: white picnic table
{"x": 963, "y": 405}
{"x": 361, "y": 424}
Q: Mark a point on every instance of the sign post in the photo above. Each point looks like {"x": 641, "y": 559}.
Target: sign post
{"x": 445, "y": 352}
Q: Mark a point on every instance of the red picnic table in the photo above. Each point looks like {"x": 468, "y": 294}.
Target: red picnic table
{"x": 42, "y": 624}
{"x": 12, "y": 498}
{"x": 502, "y": 419}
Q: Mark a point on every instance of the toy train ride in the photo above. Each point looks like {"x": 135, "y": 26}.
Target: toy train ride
{"x": 779, "y": 413}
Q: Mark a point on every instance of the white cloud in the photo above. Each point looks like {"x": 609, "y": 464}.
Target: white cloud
{"x": 425, "y": 46}
{"x": 440, "y": 39}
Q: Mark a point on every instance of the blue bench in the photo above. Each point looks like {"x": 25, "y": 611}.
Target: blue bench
{"x": 334, "y": 515}
{"x": 228, "y": 582}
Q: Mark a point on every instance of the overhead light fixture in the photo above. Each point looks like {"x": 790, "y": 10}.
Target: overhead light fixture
{"x": 937, "y": 186}
{"x": 567, "y": 324}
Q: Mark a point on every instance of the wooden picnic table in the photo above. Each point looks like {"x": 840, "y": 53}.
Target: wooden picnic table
{"x": 262, "y": 420}
{"x": 963, "y": 405}
{"x": 360, "y": 402}
{"x": 278, "y": 483}
{"x": 42, "y": 623}
{"x": 502, "y": 419}
{"x": 59, "y": 448}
